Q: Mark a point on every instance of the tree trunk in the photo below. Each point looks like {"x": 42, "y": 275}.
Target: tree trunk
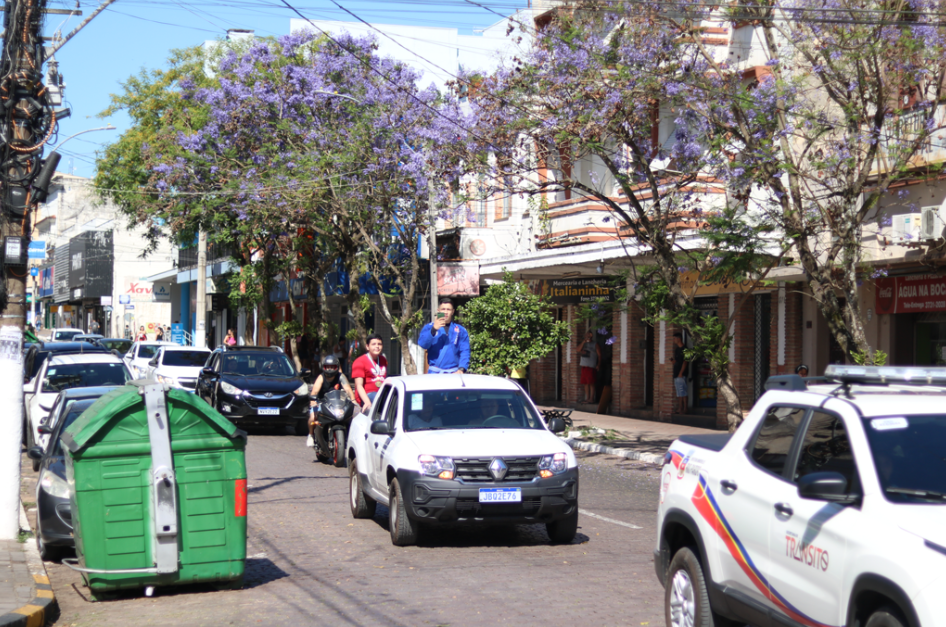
{"x": 293, "y": 338}
{"x": 409, "y": 366}
{"x": 726, "y": 389}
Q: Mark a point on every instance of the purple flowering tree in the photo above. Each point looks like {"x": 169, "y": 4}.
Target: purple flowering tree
{"x": 847, "y": 103}
{"x": 603, "y": 89}
{"x": 316, "y": 152}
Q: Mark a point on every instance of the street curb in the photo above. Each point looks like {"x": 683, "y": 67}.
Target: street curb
{"x": 650, "y": 458}
{"x": 43, "y": 608}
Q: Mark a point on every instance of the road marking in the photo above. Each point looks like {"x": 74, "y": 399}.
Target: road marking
{"x": 584, "y": 512}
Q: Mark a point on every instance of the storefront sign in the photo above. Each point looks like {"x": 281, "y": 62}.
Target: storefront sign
{"x": 691, "y": 278}
{"x": 161, "y": 293}
{"x": 177, "y": 333}
{"x": 124, "y": 299}
{"x": 37, "y": 249}
{"x": 105, "y": 300}
{"x": 910, "y": 294}
{"x": 458, "y": 279}
{"x": 578, "y": 290}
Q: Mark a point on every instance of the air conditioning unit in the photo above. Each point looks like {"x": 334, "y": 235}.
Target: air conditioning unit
{"x": 906, "y": 229}
{"x": 931, "y": 224}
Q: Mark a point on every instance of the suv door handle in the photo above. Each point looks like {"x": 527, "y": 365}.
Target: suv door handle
{"x": 785, "y": 509}
{"x": 726, "y": 484}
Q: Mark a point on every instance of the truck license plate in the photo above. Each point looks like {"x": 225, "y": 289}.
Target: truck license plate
{"x": 268, "y": 411}
{"x": 500, "y": 495}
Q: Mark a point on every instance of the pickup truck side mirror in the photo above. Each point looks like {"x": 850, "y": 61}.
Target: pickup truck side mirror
{"x": 556, "y": 425}
{"x": 380, "y": 427}
{"x": 826, "y": 486}
{"x": 35, "y": 452}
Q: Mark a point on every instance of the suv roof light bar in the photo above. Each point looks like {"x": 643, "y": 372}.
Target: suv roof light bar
{"x": 884, "y": 375}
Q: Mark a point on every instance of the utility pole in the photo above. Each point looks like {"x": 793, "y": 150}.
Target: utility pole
{"x": 27, "y": 120}
{"x": 200, "y": 332}
{"x": 432, "y": 245}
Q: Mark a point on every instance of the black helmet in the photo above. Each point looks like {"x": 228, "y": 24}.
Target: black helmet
{"x": 330, "y": 362}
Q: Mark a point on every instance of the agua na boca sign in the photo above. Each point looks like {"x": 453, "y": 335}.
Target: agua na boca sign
{"x": 910, "y": 294}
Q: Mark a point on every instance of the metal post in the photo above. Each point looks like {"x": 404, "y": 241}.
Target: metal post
{"x": 163, "y": 484}
{"x": 200, "y": 331}
{"x": 11, "y": 424}
{"x": 432, "y": 246}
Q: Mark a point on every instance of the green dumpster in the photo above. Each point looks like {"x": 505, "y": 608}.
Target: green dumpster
{"x": 158, "y": 498}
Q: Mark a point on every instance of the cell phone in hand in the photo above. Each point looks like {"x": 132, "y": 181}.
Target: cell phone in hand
{"x": 441, "y": 314}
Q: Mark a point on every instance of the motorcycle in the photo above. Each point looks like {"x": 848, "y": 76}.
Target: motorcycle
{"x": 331, "y": 427}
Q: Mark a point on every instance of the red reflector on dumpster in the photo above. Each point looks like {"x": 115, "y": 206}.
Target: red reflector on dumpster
{"x": 239, "y": 501}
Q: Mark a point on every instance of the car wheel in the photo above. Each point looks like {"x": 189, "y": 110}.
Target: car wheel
{"x": 686, "y": 601}
{"x": 362, "y": 506}
{"x": 563, "y": 531}
{"x": 302, "y": 427}
{"x": 338, "y": 455}
{"x": 404, "y": 531}
{"x": 886, "y": 616}
{"x": 46, "y": 552}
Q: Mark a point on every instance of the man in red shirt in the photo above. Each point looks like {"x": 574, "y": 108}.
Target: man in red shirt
{"x": 369, "y": 371}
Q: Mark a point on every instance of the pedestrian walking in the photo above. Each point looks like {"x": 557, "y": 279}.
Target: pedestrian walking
{"x": 679, "y": 373}
{"x": 521, "y": 377}
{"x": 159, "y": 334}
{"x": 94, "y": 326}
{"x": 447, "y": 343}
{"x": 589, "y": 355}
{"x": 802, "y": 370}
{"x": 142, "y": 336}
{"x": 230, "y": 340}
{"x": 369, "y": 372}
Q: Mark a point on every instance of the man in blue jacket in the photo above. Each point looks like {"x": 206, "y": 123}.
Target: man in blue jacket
{"x": 446, "y": 342}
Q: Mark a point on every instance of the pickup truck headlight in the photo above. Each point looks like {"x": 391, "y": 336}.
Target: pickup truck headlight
{"x": 230, "y": 389}
{"x": 553, "y": 465}
{"x": 302, "y": 390}
{"x": 54, "y": 485}
{"x": 440, "y": 467}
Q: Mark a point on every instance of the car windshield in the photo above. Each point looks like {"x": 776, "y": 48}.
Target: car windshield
{"x": 908, "y": 455}
{"x": 147, "y": 351}
{"x": 73, "y": 410}
{"x": 258, "y": 364}
{"x": 469, "y": 409}
{"x": 66, "y": 376}
{"x": 185, "y": 358}
{"x": 121, "y": 346}
{"x": 66, "y": 335}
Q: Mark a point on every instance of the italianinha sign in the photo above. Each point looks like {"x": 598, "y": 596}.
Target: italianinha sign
{"x": 577, "y": 290}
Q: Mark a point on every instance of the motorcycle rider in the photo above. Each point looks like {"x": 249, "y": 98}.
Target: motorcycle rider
{"x": 331, "y": 378}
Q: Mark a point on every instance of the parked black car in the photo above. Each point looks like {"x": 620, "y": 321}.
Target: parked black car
{"x": 53, "y": 511}
{"x": 256, "y": 385}
{"x": 117, "y": 345}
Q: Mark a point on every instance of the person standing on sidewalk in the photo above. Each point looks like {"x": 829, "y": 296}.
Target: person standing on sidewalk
{"x": 679, "y": 373}
{"x": 447, "y": 343}
{"x": 589, "y": 354}
{"x": 369, "y": 372}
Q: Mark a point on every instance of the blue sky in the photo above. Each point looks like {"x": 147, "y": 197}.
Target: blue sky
{"x": 132, "y": 35}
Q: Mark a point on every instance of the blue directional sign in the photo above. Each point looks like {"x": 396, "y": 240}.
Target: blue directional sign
{"x": 34, "y": 271}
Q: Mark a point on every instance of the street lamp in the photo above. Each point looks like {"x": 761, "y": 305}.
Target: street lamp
{"x": 88, "y": 130}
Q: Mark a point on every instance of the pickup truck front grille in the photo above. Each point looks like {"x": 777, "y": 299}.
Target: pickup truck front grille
{"x": 474, "y": 469}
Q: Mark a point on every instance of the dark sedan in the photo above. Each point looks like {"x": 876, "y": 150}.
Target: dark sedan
{"x": 53, "y": 511}
{"x": 256, "y": 386}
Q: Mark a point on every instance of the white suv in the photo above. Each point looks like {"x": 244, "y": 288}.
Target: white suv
{"x": 178, "y": 366}
{"x": 140, "y": 354}
{"x": 826, "y": 507}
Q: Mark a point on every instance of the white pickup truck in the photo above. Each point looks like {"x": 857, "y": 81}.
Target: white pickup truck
{"x": 826, "y": 507}
{"x": 460, "y": 448}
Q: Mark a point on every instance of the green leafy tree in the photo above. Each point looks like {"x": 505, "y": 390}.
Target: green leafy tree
{"x": 510, "y": 326}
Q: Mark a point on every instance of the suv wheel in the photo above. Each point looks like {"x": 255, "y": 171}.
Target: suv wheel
{"x": 563, "y": 531}
{"x": 48, "y": 553}
{"x": 404, "y": 531}
{"x": 686, "y": 602}
{"x": 886, "y": 616}
{"x": 362, "y": 506}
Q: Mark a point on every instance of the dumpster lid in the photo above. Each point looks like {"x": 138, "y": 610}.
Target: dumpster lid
{"x": 97, "y": 416}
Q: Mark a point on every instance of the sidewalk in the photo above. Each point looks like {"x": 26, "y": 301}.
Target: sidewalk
{"x": 26, "y": 598}
{"x": 631, "y": 438}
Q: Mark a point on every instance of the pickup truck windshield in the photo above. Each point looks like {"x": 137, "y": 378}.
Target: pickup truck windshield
{"x": 908, "y": 455}
{"x": 468, "y": 409}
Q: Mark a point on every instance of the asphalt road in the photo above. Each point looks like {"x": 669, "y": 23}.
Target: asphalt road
{"x": 309, "y": 561}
